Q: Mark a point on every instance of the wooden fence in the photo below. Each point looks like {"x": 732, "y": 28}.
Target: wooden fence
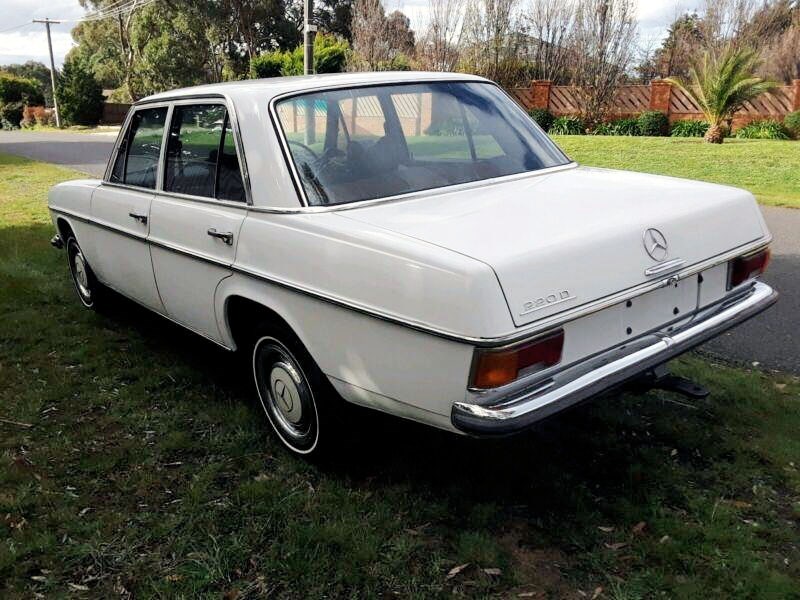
{"x": 114, "y": 114}
{"x": 630, "y": 100}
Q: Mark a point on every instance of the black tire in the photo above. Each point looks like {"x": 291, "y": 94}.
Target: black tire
{"x": 297, "y": 398}
{"x": 88, "y": 289}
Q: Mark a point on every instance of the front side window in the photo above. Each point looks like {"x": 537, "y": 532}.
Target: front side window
{"x": 201, "y": 157}
{"x": 374, "y": 142}
{"x": 137, "y": 157}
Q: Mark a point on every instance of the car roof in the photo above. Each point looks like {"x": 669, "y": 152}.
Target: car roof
{"x": 274, "y": 86}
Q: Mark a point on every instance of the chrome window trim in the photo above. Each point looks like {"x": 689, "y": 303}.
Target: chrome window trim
{"x": 358, "y": 203}
{"x": 520, "y": 335}
{"x": 162, "y": 155}
{"x": 223, "y": 99}
{"x": 204, "y": 199}
{"x": 457, "y": 187}
{"x": 112, "y": 159}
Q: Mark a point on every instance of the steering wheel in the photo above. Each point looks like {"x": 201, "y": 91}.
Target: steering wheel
{"x": 304, "y": 148}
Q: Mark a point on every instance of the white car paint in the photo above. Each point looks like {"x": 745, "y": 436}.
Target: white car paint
{"x": 391, "y": 297}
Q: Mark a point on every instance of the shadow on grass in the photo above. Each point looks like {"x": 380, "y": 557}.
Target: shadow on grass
{"x": 601, "y": 448}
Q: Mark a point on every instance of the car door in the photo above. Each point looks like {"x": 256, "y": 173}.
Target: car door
{"x": 197, "y": 213}
{"x": 120, "y": 209}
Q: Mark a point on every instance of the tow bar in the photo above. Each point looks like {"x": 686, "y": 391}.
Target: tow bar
{"x": 57, "y": 242}
{"x": 661, "y": 379}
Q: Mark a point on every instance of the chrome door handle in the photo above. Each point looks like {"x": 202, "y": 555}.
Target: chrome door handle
{"x": 141, "y": 218}
{"x": 225, "y": 237}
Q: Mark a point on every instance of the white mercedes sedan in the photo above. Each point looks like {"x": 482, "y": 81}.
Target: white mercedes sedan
{"x": 409, "y": 242}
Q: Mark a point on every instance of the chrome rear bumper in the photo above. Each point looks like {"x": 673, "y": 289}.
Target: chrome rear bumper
{"x": 542, "y": 398}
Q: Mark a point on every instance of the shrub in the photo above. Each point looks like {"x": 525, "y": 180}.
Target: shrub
{"x": 28, "y": 120}
{"x": 10, "y": 115}
{"x": 269, "y": 64}
{"x": 80, "y": 97}
{"x": 625, "y": 127}
{"x": 568, "y": 126}
{"x": 763, "y": 130}
{"x": 19, "y": 89}
{"x": 543, "y": 117}
{"x": 653, "y": 123}
{"x": 689, "y": 128}
{"x": 44, "y": 116}
{"x": 792, "y": 123}
{"x": 603, "y": 129}
{"x": 330, "y": 56}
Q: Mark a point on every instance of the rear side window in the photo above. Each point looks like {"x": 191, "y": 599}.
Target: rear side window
{"x": 136, "y": 163}
{"x": 201, "y": 156}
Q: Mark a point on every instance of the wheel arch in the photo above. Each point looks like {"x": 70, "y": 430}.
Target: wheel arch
{"x": 64, "y": 228}
{"x": 241, "y": 311}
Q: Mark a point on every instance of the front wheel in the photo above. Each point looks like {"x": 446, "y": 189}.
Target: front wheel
{"x": 83, "y": 279}
{"x": 290, "y": 387}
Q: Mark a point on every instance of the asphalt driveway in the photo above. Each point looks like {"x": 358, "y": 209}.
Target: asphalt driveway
{"x": 770, "y": 341}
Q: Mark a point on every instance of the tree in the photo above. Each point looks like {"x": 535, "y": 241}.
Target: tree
{"x": 492, "y": 39}
{"x": 177, "y": 43}
{"x": 369, "y": 34}
{"x": 550, "y": 25}
{"x": 685, "y": 38}
{"x": 440, "y": 46}
{"x": 399, "y": 34}
{"x": 379, "y": 42}
{"x": 80, "y": 97}
{"x": 335, "y": 16}
{"x": 602, "y": 51}
{"x": 721, "y": 84}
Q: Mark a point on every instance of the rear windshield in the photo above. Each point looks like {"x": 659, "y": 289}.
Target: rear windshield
{"x": 373, "y": 142}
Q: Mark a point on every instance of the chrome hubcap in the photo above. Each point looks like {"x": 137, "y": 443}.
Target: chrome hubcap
{"x": 81, "y": 275}
{"x": 284, "y": 392}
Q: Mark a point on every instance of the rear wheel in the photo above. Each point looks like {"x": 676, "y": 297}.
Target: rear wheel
{"x": 86, "y": 285}
{"x": 294, "y": 393}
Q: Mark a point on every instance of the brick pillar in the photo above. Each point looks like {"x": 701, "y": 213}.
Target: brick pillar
{"x": 796, "y": 86}
{"x": 660, "y": 93}
{"x": 540, "y": 90}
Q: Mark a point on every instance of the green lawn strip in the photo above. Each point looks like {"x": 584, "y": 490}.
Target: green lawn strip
{"x": 148, "y": 469}
{"x": 769, "y": 169}
{"x": 72, "y": 129}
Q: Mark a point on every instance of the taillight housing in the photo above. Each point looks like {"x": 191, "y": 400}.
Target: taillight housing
{"x": 745, "y": 267}
{"x": 493, "y": 368}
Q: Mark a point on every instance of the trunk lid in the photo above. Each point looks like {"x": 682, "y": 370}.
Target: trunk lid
{"x": 560, "y": 240}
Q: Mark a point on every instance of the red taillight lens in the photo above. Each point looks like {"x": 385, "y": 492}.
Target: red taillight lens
{"x": 742, "y": 268}
{"x": 493, "y": 368}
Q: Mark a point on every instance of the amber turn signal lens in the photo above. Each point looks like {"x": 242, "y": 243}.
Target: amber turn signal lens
{"x": 493, "y": 368}
{"x": 742, "y": 268}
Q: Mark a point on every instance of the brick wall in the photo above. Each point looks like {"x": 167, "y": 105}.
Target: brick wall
{"x": 630, "y": 100}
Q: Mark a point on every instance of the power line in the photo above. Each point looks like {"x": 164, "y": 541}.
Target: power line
{"x": 16, "y": 27}
{"x": 114, "y": 11}
{"x": 119, "y": 7}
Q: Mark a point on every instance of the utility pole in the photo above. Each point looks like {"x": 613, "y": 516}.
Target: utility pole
{"x": 47, "y": 23}
{"x": 308, "y": 37}
{"x": 308, "y": 68}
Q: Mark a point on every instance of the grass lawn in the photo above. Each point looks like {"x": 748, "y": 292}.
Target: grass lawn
{"x": 133, "y": 461}
{"x": 769, "y": 169}
{"x": 73, "y": 129}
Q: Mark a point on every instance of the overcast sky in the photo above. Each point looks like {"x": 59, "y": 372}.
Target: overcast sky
{"x": 30, "y": 42}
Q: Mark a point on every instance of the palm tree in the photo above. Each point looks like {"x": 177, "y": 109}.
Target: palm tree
{"x": 720, "y": 85}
